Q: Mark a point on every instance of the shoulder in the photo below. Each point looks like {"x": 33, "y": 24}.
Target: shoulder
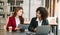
{"x": 45, "y": 20}
{"x": 11, "y": 17}
{"x": 34, "y": 18}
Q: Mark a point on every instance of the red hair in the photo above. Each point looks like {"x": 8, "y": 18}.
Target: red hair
{"x": 15, "y": 13}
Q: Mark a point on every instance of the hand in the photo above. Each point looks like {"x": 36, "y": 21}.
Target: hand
{"x": 5, "y": 28}
{"x": 35, "y": 29}
{"x": 17, "y": 28}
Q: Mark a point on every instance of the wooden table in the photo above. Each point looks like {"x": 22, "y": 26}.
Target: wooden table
{"x": 17, "y": 33}
{"x": 52, "y": 24}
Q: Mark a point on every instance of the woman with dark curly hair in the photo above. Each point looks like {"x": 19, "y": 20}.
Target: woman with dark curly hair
{"x": 40, "y": 19}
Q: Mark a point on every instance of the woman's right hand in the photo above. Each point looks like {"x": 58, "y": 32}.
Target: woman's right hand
{"x": 5, "y": 28}
{"x": 35, "y": 29}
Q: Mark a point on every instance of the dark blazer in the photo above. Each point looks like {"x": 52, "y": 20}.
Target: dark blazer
{"x": 34, "y": 24}
{"x": 12, "y": 23}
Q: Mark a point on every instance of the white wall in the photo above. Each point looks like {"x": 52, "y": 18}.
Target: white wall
{"x": 57, "y": 13}
{"x": 26, "y": 8}
{"x": 34, "y": 4}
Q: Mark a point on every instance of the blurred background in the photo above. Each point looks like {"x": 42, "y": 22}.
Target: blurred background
{"x": 29, "y": 6}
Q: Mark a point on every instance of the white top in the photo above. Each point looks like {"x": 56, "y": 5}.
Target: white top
{"x": 39, "y": 22}
{"x": 17, "y": 21}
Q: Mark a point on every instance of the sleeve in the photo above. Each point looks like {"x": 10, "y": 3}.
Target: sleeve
{"x": 31, "y": 26}
{"x": 8, "y": 24}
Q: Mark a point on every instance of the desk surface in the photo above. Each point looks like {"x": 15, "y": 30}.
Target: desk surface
{"x": 12, "y": 33}
{"x": 15, "y": 33}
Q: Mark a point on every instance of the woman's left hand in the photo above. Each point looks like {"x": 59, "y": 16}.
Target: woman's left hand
{"x": 16, "y": 28}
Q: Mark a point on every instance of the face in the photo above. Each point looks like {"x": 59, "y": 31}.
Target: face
{"x": 38, "y": 14}
{"x": 20, "y": 12}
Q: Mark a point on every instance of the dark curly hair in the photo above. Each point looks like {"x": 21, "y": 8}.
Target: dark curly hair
{"x": 43, "y": 11}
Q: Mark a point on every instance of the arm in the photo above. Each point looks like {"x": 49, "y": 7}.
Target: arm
{"x": 8, "y": 24}
{"x": 31, "y": 26}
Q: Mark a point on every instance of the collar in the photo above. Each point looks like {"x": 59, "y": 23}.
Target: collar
{"x": 38, "y": 20}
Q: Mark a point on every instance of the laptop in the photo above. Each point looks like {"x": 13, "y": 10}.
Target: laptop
{"x": 44, "y": 29}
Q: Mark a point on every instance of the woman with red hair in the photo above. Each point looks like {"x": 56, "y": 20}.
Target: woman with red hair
{"x": 16, "y": 19}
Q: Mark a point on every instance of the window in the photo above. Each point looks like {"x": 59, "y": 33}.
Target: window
{"x": 14, "y": 3}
